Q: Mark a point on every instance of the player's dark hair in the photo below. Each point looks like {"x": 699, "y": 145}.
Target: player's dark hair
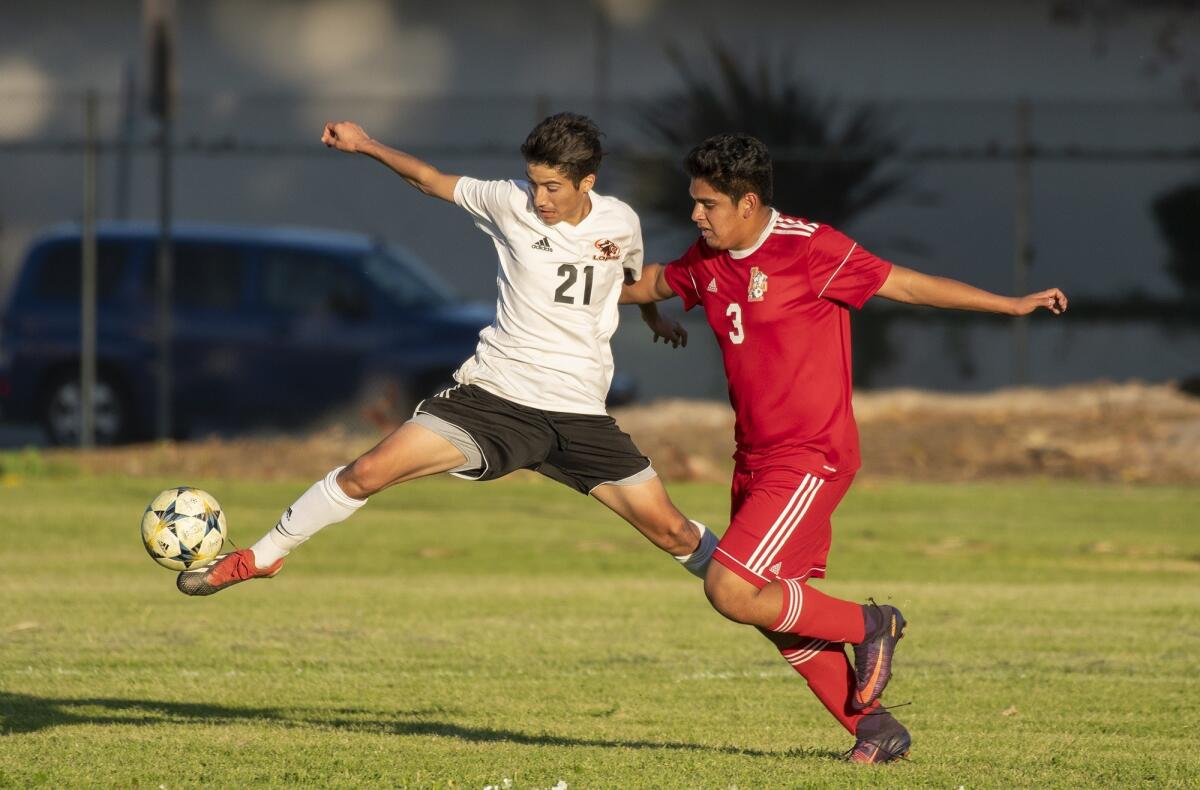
{"x": 734, "y": 164}
{"x": 568, "y": 142}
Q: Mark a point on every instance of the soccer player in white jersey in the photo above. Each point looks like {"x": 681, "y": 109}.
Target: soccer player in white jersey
{"x": 533, "y": 395}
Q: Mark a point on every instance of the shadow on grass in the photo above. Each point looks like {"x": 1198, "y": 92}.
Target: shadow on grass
{"x": 23, "y": 713}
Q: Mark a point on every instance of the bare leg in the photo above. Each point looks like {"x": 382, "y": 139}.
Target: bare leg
{"x": 409, "y": 452}
{"x": 649, "y": 509}
{"x": 741, "y": 601}
{"x": 787, "y": 606}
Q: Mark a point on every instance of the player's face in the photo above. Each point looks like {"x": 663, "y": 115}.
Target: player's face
{"x": 555, "y": 197}
{"x": 723, "y": 223}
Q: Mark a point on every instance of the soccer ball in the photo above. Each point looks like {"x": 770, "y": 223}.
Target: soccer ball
{"x": 183, "y": 527}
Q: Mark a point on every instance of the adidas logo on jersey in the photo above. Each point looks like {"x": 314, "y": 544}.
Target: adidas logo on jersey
{"x": 712, "y": 286}
{"x": 775, "y": 569}
{"x": 543, "y": 244}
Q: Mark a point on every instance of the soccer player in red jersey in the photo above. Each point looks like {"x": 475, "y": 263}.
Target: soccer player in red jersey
{"x": 777, "y": 291}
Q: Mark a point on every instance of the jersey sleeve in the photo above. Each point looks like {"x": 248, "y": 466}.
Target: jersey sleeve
{"x": 487, "y": 201}
{"x": 842, "y": 271}
{"x": 681, "y": 276}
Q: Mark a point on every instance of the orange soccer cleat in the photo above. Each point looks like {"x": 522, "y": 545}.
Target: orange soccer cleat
{"x": 224, "y": 571}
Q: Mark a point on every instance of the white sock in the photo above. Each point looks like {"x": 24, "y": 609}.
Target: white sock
{"x": 696, "y": 563}
{"x": 321, "y": 505}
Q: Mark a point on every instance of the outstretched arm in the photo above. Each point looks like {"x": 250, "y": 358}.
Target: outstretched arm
{"x": 912, "y": 287}
{"x": 652, "y": 287}
{"x": 349, "y": 137}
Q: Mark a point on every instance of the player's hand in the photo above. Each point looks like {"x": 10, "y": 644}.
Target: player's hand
{"x": 670, "y": 330}
{"x": 1051, "y": 299}
{"x": 344, "y": 136}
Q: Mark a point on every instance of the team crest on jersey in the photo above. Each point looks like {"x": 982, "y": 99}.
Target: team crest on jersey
{"x": 608, "y": 251}
{"x": 758, "y": 285}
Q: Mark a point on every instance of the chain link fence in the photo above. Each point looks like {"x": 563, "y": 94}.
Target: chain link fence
{"x": 1094, "y": 170}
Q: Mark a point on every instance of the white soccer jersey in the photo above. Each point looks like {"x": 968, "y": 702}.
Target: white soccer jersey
{"x": 557, "y": 304}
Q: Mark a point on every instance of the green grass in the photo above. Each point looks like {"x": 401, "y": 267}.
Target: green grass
{"x": 461, "y": 635}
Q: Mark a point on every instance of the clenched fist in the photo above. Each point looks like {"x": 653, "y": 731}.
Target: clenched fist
{"x": 344, "y": 136}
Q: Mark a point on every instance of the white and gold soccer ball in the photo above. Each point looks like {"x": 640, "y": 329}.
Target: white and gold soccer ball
{"x": 183, "y": 527}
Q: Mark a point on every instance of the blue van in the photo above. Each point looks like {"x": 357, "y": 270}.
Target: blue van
{"x": 272, "y": 327}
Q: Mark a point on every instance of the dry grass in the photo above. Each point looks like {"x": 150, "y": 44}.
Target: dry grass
{"x": 1104, "y": 432}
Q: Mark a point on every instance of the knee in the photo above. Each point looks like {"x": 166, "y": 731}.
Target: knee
{"x": 729, "y": 595}
{"x": 362, "y": 478}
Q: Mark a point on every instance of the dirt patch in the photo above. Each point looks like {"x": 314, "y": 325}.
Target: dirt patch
{"x": 1106, "y": 432}
{"x": 1109, "y": 432}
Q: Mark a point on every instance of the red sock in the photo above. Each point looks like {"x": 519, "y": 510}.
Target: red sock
{"x": 807, "y": 611}
{"x": 830, "y": 676}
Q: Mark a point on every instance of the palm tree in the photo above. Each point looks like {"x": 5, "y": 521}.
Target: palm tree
{"x": 829, "y": 161}
{"x": 1176, "y": 212}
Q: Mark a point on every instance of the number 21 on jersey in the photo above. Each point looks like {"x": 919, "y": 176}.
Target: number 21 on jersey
{"x": 562, "y": 295}
{"x": 737, "y": 334}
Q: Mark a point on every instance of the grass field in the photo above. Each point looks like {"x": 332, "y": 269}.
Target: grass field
{"x": 516, "y": 634}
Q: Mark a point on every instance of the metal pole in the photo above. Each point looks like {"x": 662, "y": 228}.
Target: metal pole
{"x": 603, "y": 35}
{"x": 159, "y": 19}
{"x": 87, "y": 317}
{"x": 125, "y": 143}
{"x": 164, "y": 282}
{"x": 1022, "y": 236}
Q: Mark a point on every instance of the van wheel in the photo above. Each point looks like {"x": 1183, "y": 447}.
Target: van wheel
{"x": 62, "y": 419}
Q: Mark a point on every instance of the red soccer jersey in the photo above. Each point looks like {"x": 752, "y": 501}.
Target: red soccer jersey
{"x": 780, "y": 314}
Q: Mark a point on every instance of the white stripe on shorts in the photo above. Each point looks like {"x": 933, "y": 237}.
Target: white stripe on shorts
{"x": 785, "y": 535}
{"x": 785, "y": 525}
{"x": 753, "y": 559}
{"x": 739, "y": 563}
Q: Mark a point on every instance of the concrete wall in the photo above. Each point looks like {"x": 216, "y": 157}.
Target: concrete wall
{"x": 462, "y": 82}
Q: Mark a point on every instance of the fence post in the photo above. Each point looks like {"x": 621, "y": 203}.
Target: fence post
{"x": 87, "y": 316}
{"x": 1022, "y": 232}
{"x": 159, "y": 19}
{"x": 602, "y": 65}
{"x": 127, "y": 128}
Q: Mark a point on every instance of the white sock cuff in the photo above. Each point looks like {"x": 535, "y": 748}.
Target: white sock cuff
{"x": 697, "y": 562}
{"x": 335, "y": 493}
{"x": 703, "y": 530}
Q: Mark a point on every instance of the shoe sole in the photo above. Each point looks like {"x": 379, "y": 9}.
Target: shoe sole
{"x": 188, "y": 584}
{"x": 902, "y": 741}
{"x": 892, "y": 759}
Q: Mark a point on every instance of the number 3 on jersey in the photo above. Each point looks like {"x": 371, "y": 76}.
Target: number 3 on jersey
{"x": 572, "y": 274}
{"x": 734, "y": 311}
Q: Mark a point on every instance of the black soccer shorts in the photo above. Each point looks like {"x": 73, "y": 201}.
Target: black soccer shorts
{"x": 582, "y": 451}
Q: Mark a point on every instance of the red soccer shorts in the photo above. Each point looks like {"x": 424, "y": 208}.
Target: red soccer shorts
{"x": 779, "y": 525}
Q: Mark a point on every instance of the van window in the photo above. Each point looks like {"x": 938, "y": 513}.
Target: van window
{"x": 405, "y": 280}
{"x": 205, "y": 275}
{"x": 59, "y": 276}
{"x": 208, "y": 276}
{"x": 311, "y": 283}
